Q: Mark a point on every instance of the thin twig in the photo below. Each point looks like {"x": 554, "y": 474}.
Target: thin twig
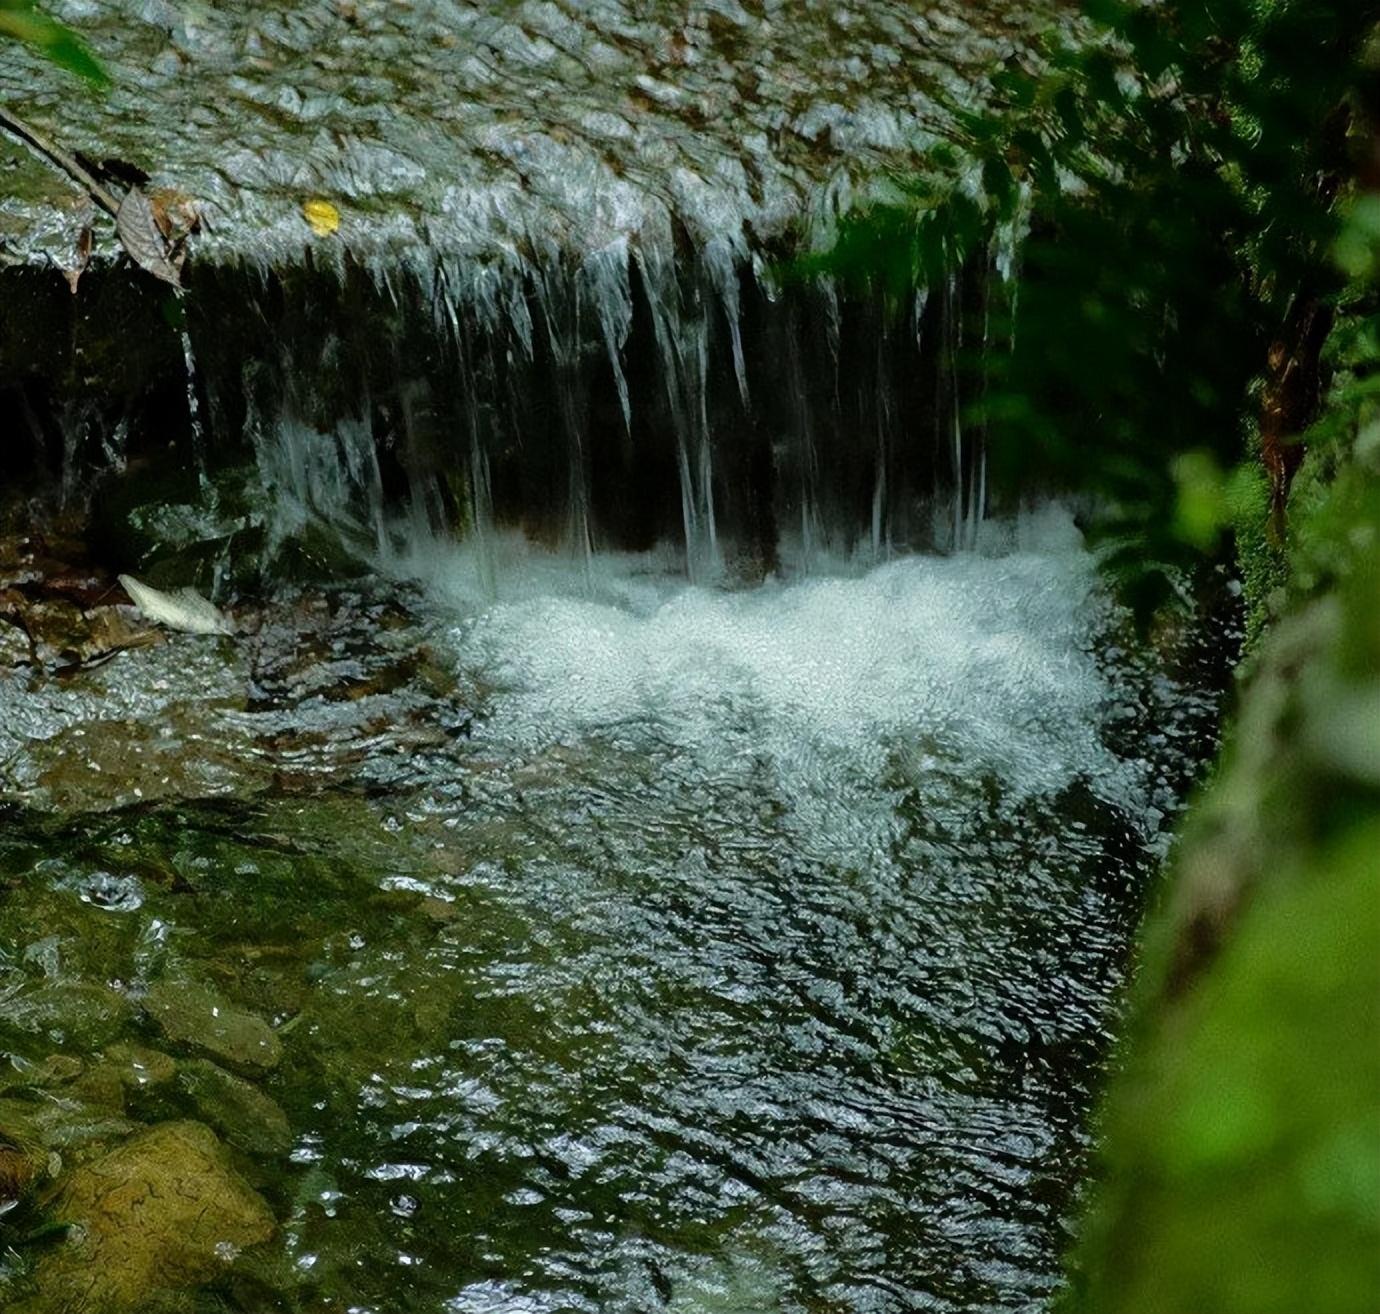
{"x": 56, "y": 155}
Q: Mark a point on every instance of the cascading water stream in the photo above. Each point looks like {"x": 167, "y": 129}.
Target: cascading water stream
{"x": 682, "y": 335}
{"x": 197, "y": 429}
{"x": 683, "y": 842}
{"x": 668, "y": 821}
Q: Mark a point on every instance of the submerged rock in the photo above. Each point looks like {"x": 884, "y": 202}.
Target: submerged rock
{"x": 81, "y": 1013}
{"x": 240, "y": 1111}
{"x": 63, "y": 1123}
{"x": 163, "y": 1212}
{"x": 15, "y": 648}
{"x": 55, "y": 1070}
{"x": 195, "y": 1016}
{"x": 23, "y": 1162}
{"x": 56, "y": 633}
{"x": 140, "y": 1067}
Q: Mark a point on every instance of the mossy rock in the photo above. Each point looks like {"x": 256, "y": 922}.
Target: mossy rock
{"x": 163, "y": 1213}
{"x": 24, "y": 1159}
{"x": 247, "y": 1118}
{"x": 173, "y": 527}
{"x": 197, "y": 1017}
{"x": 1242, "y": 1145}
{"x": 141, "y": 1068}
{"x": 79, "y": 1013}
{"x": 318, "y": 554}
{"x": 176, "y": 528}
{"x": 67, "y": 1125}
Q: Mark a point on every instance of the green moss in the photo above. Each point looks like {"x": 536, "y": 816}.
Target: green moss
{"x": 1243, "y": 1144}
{"x": 1260, "y": 559}
{"x": 1240, "y": 1164}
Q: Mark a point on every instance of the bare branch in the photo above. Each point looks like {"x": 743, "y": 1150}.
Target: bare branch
{"x": 54, "y": 153}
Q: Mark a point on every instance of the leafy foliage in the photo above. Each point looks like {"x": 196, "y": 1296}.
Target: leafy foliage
{"x": 1240, "y": 1159}
{"x": 1178, "y": 163}
{"x": 1243, "y": 1153}
{"x": 22, "y": 20}
{"x": 1241, "y": 1141}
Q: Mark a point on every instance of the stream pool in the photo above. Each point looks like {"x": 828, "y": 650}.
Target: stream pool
{"x": 608, "y": 945}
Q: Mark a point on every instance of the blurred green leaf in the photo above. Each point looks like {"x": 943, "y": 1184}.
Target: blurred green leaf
{"x": 1203, "y": 508}
{"x": 21, "y": 20}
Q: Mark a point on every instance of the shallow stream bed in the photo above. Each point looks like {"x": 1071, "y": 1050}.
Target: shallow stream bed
{"x": 608, "y": 945}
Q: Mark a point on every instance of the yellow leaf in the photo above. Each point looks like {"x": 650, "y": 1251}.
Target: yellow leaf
{"x": 323, "y": 217}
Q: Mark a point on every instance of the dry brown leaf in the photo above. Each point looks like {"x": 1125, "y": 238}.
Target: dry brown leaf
{"x": 82, "y": 260}
{"x": 176, "y": 213}
{"x": 143, "y": 238}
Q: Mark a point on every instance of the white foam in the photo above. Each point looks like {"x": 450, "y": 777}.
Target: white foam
{"x": 978, "y": 664}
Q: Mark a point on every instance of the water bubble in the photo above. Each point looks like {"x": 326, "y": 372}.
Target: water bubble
{"x": 109, "y": 892}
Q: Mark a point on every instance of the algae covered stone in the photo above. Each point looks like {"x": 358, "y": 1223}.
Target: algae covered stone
{"x": 81, "y": 1013}
{"x": 195, "y": 1016}
{"x": 239, "y": 1110}
{"x": 163, "y": 1212}
{"x": 140, "y": 1067}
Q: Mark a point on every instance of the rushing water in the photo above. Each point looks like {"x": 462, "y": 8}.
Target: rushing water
{"x": 731, "y": 927}
{"x": 632, "y": 945}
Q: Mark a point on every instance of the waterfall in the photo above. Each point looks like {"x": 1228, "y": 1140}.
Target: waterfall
{"x": 621, "y": 401}
{"x": 682, "y": 336}
{"x": 604, "y": 276}
{"x": 198, "y": 433}
{"x": 560, "y": 302}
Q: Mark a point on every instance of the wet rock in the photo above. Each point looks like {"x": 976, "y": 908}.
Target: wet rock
{"x": 112, "y": 629}
{"x": 80, "y": 1013}
{"x": 325, "y": 691}
{"x": 139, "y": 1067}
{"x": 55, "y": 1070}
{"x": 54, "y": 632}
{"x": 101, "y": 1086}
{"x": 55, "y": 626}
{"x": 239, "y": 1110}
{"x": 61, "y": 1122}
{"x": 78, "y": 941}
{"x": 23, "y": 1160}
{"x": 782, "y": 99}
{"x": 197, "y": 1017}
{"x": 175, "y": 528}
{"x": 318, "y": 553}
{"x": 163, "y": 1212}
{"x": 439, "y": 910}
{"x": 15, "y": 649}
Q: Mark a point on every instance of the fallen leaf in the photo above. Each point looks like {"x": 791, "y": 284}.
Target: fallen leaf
{"x": 143, "y": 239}
{"x": 83, "y": 259}
{"x": 323, "y": 217}
{"x": 185, "y": 610}
{"x": 176, "y": 215}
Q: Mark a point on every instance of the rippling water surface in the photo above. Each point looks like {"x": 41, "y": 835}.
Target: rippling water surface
{"x": 632, "y": 947}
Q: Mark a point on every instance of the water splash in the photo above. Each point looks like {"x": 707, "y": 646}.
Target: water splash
{"x": 940, "y": 663}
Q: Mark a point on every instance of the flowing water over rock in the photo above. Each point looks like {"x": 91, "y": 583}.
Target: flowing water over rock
{"x": 544, "y": 932}
{"x": 612, "y": 863}
{"x": 499, "y": 130}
